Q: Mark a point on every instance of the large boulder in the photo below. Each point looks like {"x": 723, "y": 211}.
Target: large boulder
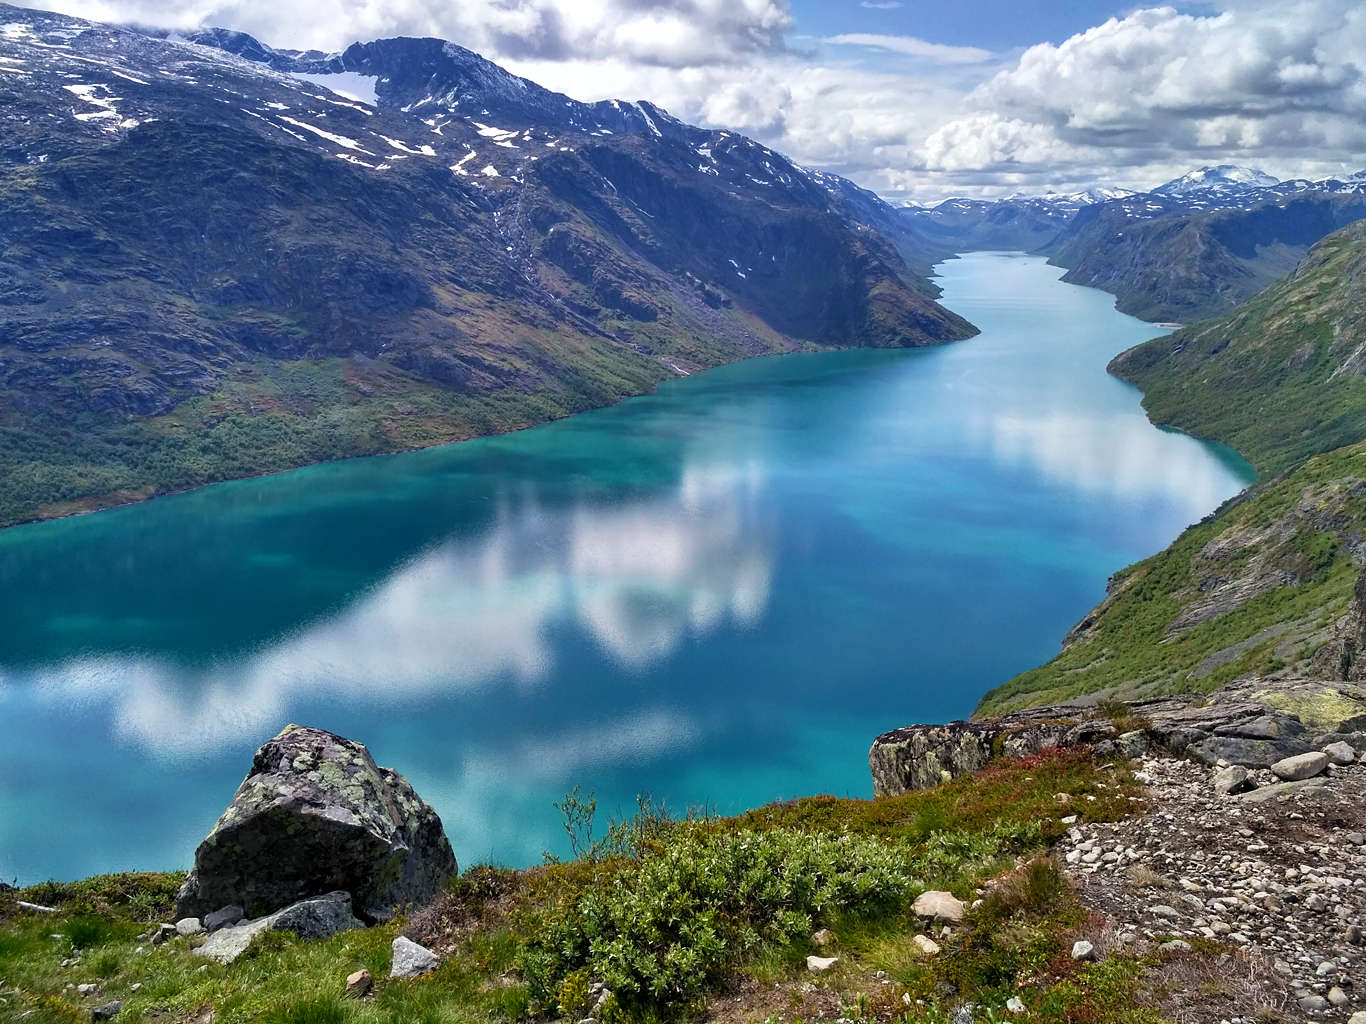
{"x": 316, "y": 815}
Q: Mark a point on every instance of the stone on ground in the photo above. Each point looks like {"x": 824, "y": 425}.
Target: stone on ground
{"x": 1357, "y": 1018}
{"x": 1340, "y": 753}
{"x": 942, "y": 906}
{"x": 313, "y": 919}
{"x": 223, "y": 918}
{"x": 823, "y": 938}
{"x": 315, "y": 815}
{"x": 818, "y": 964}
{"x": 108, "y": 1011}
{"x": 188, "y": 926}
{"x": 925, "y": 944}
{"x": 1230, "y": 780}
{"x": 1083, "y": 950}
{"x": 410, "y": 959}
{"x": 358, "y": 985}
{"x": 1300, "y": 767}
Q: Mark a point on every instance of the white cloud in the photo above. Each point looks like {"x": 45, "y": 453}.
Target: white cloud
{"x": 1283, "y": 84}
{"x": 1132, "y": 102}
{"x": 913, "y": 47}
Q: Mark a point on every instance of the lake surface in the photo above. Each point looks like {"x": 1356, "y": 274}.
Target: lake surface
{"x": 721, "y": 592}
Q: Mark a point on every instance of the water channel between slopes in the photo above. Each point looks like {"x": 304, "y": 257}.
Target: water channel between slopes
{"x": 717, "y": 593}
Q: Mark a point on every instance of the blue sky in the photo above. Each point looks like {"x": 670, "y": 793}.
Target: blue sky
{"x": 916, "y": 99}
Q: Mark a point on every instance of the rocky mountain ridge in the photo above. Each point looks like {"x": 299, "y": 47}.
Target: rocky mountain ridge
{"x": 1192, "y": 248}
{"x": 214, "y": 268}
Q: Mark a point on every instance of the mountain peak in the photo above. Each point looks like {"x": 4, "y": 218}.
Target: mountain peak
{"x": 1222, "y": 176}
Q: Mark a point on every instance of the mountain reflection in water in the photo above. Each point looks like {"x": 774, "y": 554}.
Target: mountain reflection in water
{"x": 720, "y": 592}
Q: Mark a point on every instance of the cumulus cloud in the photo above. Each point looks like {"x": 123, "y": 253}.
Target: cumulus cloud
{"x": 1137, "y": 100}
{"x": 1282, "y": 83}
{"x": 669, "y": 33}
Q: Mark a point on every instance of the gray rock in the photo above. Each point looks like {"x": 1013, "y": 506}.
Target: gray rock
{"x": 1340, "y": 752}
{"x": 188, "y": 926}
{"x": 108, "y": 1011}
{"x": 1083, "y": 950}
{"x": 314, "y": 919}
{"x": 1357, "y": 1018}
{"x": 1162, "y": 910}
{"x": 1310, "y": 1004}
{"x": 821, "y": 964}
{"x": 410, "y": 959}
{"x": 1175, "y": 946}
{"x": 1300, "y": 767}
{"x": 1132, "y": 745}
{"x": 1338, "y": 997}
{"x": 1230, "y": 780}
{"x": 222, "y": 918}
{"x": 1265, "y": 794}
{"x": 316, "y": 815}
{"x": 942, "y": 906}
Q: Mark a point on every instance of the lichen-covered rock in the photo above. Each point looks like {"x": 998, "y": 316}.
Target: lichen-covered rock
{"x": 311, "y": 919}
{"x": 316, "y": 815}
{"x": 1250, "y": 722}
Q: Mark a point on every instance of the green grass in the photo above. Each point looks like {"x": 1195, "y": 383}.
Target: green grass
{"x": 1264, "y": 378}
{"x": 1297, "y": 528}
{"x": 669, "y": 914}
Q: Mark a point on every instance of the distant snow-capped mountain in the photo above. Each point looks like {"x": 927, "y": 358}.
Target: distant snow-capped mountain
{"x": 1221, "y": 177}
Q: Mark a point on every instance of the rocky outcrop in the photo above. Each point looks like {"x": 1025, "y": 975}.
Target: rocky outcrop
{"x": 316, "y": 815}
{"x": 1254, "y": 723}
{"x": 313, "y": 919}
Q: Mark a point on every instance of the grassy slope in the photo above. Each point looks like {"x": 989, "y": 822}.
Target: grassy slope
{"x": 1279, "y": 379}
{"x": 1187, "y": 267}
{"x": 1255, "y": 589}
{"x": 668, "y": 913}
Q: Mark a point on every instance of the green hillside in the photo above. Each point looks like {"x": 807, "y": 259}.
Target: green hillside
{"x": 1257, "y": 589}
{"x": 1279, "y": 379}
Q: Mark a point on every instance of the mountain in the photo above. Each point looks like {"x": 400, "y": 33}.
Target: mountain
{"x": 1192, "y": 265}
{"x": 214, "y": 266}
{"x": 1190, "y": 249}
{"x": 1017, "y": 222}
{"x": 1281, "y": 378}
{"x": 1225, "y": 178}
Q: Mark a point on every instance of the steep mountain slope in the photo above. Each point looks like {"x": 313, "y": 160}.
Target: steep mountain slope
{"x": 1190, "y": 249}
{"x": 213, "y": 268}
{"x": 1191, "y": 266}
{"x": 1258, "y": 589}
{"x": 1280, "y": 378}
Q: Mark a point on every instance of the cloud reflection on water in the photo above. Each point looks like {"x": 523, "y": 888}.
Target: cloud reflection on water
{"x": 637, "y": 578}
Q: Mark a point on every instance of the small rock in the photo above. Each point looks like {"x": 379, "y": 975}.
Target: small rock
{"x": 1300, "y": 767}
{"x": 1340, "y": 753}
{"x": 1175, "y": 946}
{"x": 188, "y": 926}
{"x": 1015, "y": 1004}
{"x": 823, "y": 938}
{"x": 223, "y": 918}
{"x": 820, "y": 964}
{"x": 1338, "y": 997}
{"x": 1162, "y": 910}
{"x": 925, "y": 944}
{"x": 942, "y": 906}
{"x": 108, "y": 1011}
{"x": 1230, "y": 780}
{"x": 135, "y": 987}
{"x": 1356, "y": 838}
{"x": 1083, "y": 950}
{"x": 410, "y": 959}
{"x": 358, "y": 985}
{"x": 1357, "y": 1018}
{"x": 1355, "y": 935}
{"x": 1311, "y": 1003}
{"x": 87, "y": 990}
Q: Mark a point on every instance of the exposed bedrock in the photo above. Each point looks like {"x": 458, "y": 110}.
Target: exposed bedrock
{"x": 316, "y": 815}
{"x": 1252, "y": 722}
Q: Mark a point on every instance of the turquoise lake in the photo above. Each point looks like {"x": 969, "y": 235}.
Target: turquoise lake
{"x": 718, "y": 593}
